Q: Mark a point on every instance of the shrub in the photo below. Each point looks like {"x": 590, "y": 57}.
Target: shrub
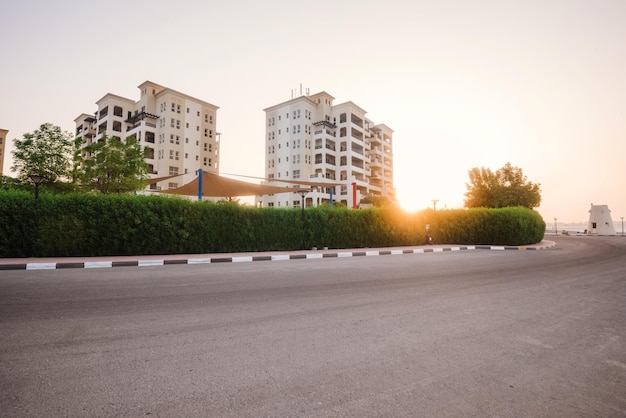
{"x": 96, "y": 225}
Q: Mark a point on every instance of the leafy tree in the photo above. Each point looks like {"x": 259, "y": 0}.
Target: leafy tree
{"x": 77, "y": 159}
{"x": 506, "y": 187}
{"x": 45, "y": 153}
{"x": 377, "y": 201}
{"x": 115, "y": 166}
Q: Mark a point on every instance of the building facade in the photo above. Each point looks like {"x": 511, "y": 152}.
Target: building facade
{"x": 3, "y": 140}
{"x": 600, "y": 221}
{"x": 177, "y": 131}
{"x": 310, "y": 139}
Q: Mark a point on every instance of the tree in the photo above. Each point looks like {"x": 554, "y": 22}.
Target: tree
{"x": 506, "y": 187}
{"x": 377, "y": 201}
{"x": 44, "y": 153}
{"x": 115, "y": 166}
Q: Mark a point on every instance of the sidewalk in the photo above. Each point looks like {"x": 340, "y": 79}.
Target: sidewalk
{"x": 51, "y": 263}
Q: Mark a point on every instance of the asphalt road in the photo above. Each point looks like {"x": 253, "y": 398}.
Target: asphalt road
{"x": 469, "y": 333}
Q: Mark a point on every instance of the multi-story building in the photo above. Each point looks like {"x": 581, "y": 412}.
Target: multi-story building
{"x": 3, "y": 141}
{"x": 309, "y": 139}
{"x": 177, "y": 131}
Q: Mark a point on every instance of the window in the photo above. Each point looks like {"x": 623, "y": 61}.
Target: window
{"x": 171, "y": 138}
{"x": 296, "y": 174}
{"x": 177, "y": 155}
{"x": 173, "y": 170}
{"x": 172, "y": 123}
{"x": 171, "y": 154}
{"x": 117, "y": 111}
{"x": 177, "y": 124}
{"x": 172, "y": 185}
{"x": 173, "y": 107}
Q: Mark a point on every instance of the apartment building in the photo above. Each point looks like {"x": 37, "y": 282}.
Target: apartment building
{"x": 3, "y": 140}
{"x": 310, "y": 139}
{"x": 177, "y": 131}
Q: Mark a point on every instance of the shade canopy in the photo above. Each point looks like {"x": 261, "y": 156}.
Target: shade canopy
{"x": 213, "y": 185}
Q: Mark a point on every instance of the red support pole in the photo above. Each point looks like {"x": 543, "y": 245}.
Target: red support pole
{"x": 354, "y": 195}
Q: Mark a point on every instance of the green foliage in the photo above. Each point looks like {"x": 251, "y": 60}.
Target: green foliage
{"x": 96, "y": 225}
{"x": 506, "y": 187}
{"x": 45, "y": 153}
{"x": 377, "y": 201}
{"x": 115, "y": 166}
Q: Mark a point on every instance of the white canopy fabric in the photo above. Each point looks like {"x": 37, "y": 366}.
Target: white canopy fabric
{"x": 214, "y": 185}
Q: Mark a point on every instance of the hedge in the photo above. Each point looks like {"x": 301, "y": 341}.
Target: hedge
{"x": 98, "y": 225}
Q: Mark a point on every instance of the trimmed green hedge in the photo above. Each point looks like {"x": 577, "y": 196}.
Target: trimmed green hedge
{"x": 94, "y": 225}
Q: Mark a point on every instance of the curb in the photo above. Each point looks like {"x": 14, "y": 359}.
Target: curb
{"x": 251, "y": 258}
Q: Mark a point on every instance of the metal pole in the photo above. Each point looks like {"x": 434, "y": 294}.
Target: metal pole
{"x": 555, "y": 226}
{"x": 199, "y": 184}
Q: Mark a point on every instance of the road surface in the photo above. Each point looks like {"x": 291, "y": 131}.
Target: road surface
{"x": 467, "y": 333}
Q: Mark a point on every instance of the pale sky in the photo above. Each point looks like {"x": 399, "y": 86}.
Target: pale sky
{"x": 538, "y": 83}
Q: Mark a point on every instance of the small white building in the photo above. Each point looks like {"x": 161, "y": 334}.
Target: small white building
{"x": 600, "y": 222}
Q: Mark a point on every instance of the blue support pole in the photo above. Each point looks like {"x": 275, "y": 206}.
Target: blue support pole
{"x": 199, "y": 184}
{"x": 331, "y": 195}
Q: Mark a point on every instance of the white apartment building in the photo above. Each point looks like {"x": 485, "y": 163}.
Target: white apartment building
{"x": 177, "y": 131}
{"x": 310, "y": 139}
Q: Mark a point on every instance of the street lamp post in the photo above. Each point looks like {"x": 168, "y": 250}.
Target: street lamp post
{"x": 622, "y": 226}
{"x": 303, "y": 193}
{"x": 435, "y": 204}
{"x": 555, "y": 226}
{"x": 37, "y": 179}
